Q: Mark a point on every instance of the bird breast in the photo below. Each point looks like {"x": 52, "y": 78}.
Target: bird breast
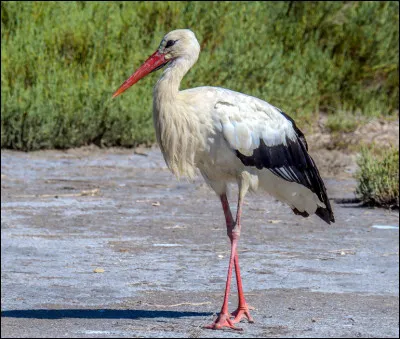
{"x": 179, "y": 136}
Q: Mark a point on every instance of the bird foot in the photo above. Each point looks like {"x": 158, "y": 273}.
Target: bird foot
{"x": 241, "y": 312}
{"x": 223, "y": 321}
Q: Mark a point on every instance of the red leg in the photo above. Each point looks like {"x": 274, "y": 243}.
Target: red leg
{"x": 243, "y": 308}
{"x": 223, "y": 319}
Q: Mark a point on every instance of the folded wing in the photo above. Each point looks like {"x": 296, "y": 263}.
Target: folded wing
{"x": 264, "y": 137}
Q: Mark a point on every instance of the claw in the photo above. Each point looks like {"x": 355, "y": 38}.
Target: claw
{"x": 222, "y": 321}
{"x": 242, "y": 312}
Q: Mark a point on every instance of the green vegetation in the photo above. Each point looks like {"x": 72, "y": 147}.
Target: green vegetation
{"x": 378, "y": 178}
{"x": 343, "y": 122}
{"x": 61, "y": 62}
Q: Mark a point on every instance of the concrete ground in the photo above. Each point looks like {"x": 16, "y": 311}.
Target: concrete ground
{"x": 107, "y": 243}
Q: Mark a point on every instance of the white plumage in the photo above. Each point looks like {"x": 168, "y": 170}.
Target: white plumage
{"x": 229, "y": 137}
{"x": 231, "y": 121}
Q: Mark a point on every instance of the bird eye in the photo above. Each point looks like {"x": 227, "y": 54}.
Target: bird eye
{"x": 170, "y": 43}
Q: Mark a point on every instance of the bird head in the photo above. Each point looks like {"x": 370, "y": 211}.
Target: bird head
{"x": 178, "y": 44}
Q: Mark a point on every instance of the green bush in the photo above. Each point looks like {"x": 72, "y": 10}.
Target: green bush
{"x": 61, "y": 62}
{"x": 378, "y": 178}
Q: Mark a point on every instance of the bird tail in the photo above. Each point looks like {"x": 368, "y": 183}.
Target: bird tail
{"x": 326, "y": 214}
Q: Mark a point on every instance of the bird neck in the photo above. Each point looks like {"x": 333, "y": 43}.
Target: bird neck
{"x": 167, "y": 86}
{"x": 174, "y": 121}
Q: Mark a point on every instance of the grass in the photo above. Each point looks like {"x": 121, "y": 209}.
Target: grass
{"x": 378, "y": 177}
{"x": 61, "y": 62}
{"x": 343, "y": 122}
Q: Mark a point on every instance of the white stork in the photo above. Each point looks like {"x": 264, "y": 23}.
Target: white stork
{"x": 229, "y": 137}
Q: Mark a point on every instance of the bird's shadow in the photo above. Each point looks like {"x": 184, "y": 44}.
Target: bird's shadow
{"x": 98, "y": 314}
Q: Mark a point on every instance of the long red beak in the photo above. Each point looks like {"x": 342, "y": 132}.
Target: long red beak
{"x": 152, "y": 63}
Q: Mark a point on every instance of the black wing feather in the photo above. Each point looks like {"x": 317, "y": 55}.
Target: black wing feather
{"x": 292, "y": 162}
